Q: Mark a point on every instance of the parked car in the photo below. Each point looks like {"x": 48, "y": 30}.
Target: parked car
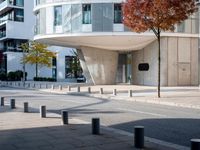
{"x": 81, "y": 79}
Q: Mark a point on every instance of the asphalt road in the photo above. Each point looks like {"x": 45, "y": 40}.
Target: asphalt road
{"x": 166, "y": 123}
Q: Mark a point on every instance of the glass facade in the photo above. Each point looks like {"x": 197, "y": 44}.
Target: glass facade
{"x": 103, "y": 17}
{"x": 58, "y": 15}
{"x": 86, "y": 13}
{"x": 117, "y": 13}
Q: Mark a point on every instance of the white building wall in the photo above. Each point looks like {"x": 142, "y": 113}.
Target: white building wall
{"x": 25, "y": 30}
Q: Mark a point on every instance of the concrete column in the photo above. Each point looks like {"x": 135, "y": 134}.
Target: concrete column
{"x": 102, "y": 64}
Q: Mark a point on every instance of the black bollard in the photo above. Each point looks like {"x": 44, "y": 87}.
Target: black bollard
{"x": 64, "y": 117}
{"x": 42, "y": 111}
{"x": 195, "y": 144}
{"x": 101, "y": 91}
{"x": 25, "y": 107}
{"x": 130, "y": 93}
{"x": 139, "y": 136}
{"x": 2, "y": 101}
{"x": 114, "y": 92}
{"x": 12, "y": 104}
{"x": 96, "y": 126}
{"x": 89, "y": 90}
{"x": 78, "y": 89}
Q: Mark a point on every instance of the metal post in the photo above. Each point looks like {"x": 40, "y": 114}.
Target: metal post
{"x": 52, "y": 87}
{"x": 69, "y": 88}
{"x": 25, "y": 107}
{"x": 12, "y": 104}
{"x": 89, "y": 89}
{"x": 114, "y": 92}
{"x": 46, "y": 86}
{"x": 195, "y": 144}
{"x": 95, "y": 126}
{"x": 60, "y": 87}
{"x": 78, "y": 89}
{"x": 130, "y": 93}
{"x": 40, "y": 86}
{"x": 101, "y": 91}
{"x": 42, "y": 111}
{"x": 139, "y": 136}
{"x": 64, "y": 114}
{"x": 2, "y": 101}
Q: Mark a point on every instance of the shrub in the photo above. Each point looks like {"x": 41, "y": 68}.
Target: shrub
{"x": 44, "y": 79}
{"x": 3, "y": 76}
{"x": 15, "y": 76}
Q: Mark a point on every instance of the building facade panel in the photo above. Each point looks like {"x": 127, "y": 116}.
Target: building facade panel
{"x": 97, "y": 25}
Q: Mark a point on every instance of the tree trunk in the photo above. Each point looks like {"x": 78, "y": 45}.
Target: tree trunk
{"x": 36, "y": 70}
{"x": 159, "y": 59}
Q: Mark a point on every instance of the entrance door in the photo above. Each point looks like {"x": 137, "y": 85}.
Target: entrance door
{"x": 124, "y": 69}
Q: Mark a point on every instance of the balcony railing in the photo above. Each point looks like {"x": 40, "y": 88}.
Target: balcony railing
{"x": 38, "y": 2}
{"x": 5, "y": 3}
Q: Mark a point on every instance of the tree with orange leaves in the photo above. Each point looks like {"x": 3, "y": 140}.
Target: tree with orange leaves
{"x": 156, "y": 15}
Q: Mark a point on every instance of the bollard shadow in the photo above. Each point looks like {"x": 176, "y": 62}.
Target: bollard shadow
{"x": 174, "y": 130}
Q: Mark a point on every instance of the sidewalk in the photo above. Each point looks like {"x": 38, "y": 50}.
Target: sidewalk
{"x": 27, "y": 131}
{"x": 187, "y": 97}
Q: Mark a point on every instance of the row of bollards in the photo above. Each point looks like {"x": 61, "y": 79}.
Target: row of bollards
{"x": 60, "y": 87}
{"x": 138, "y": 130}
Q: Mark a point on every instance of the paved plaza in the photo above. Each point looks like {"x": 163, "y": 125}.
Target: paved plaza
{"x": 167, "y": 126}
{"x": 27, "y": 131}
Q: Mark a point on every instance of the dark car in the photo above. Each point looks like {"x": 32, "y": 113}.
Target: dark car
{"x": 81, "y": 79}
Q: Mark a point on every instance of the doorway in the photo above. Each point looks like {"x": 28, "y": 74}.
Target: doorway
{"x": 124, "y": 69}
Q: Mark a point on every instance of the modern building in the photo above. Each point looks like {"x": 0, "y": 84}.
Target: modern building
{"x": 110, "y": 53}
{"x": 17, "y": 24}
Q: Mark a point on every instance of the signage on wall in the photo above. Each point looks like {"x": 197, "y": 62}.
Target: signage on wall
{"x": 143, "y": 67}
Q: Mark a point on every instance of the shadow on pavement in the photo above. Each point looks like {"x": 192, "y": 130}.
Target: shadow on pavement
{"x": 174, "y": 130}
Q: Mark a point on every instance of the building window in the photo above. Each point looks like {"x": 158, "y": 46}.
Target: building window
{"x": 19, "y": 3}
{"x": 58, "y": 15}
{"x": 117, "y": 13}
{"x": 72, "y": 67}
{"x": 19, "y": 15}
{"x": 86, "y": 13}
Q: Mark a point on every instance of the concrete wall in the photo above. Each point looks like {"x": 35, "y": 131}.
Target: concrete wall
{"x": 179, "y": 62}
{"x": 102, "y": 64}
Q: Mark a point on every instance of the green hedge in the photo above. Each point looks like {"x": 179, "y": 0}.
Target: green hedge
{"x": 44, "y": 79}
{"x": 12, "y": 76}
